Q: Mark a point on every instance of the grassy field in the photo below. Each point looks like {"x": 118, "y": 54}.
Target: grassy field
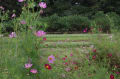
{"x": 16, "y": 52}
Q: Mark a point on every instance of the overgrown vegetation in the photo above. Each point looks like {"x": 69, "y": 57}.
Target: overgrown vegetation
{"x": 28, "y": 52}
{"x": 73, "y": 16}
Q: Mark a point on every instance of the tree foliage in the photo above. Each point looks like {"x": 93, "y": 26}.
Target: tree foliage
{"x": 68, "y": 7}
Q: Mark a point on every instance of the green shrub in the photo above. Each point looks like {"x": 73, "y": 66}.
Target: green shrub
{"x": 68, "y": 23}
{"x": 75, "y": 22}
{"x": 115, "y": 20}
{"x": 102, "y": 22}
{"x": 7, "y": 27}
{"x": 53, "y": 24}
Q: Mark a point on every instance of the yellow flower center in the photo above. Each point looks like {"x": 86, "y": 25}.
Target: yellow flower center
{"x": 47, "y": 67}
{"x": 50, "y": 58}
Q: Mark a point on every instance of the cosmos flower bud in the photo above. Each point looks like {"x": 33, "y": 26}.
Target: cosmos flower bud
{"x": 12, "y": 35}
{"x": 34, "y": 71}
{"x": 28, "y": 65}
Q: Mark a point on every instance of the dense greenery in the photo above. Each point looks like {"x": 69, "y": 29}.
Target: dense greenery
{"x": 62, "y": 15}
{"x": 68, "y": 7}
{"x": 28, "y": 52}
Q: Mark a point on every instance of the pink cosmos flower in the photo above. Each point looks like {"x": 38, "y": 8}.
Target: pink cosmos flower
{"x": 64, "y": 58}
{"x": 65, "y": 63}
{"x": 43, "y": 5}
{"x": 94, "y": 57}
{"x": 71, "y": 54}
{"x": 1, "y": 7}
{"x": 51, "y": 59}
{"x": 47, "y": 66}
{"x": 28, "y": 65}
{"x": 22, "y": 22}
{"x": 40, "y": 33}
{"x": 117, "y": 73}
{"x": 85, "y": 30}
{"x": 12, "y": 35}
{"x": 109, "y": 55}
{"x": 94, "y": 50}
{"x": 13, "y": 15}
{"x": 67, "y": 69}
{"x": 20, "y": 0}
{"x": 44, "y": 38}
{"x": 34, "y": 71}
{"x": 111, "y": 76}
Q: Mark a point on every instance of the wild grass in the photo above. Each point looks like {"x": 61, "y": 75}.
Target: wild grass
{"x": 15, "y": 53}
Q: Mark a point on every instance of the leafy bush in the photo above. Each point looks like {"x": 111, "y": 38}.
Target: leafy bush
{"x": 115, "y": 20}
{"x": 7, "y": 27}
{"x": 68, "y": 23}
{"x": 75, "y": 22}
{"x": 52, "y": 22}
{"x": 102, "y": 22}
